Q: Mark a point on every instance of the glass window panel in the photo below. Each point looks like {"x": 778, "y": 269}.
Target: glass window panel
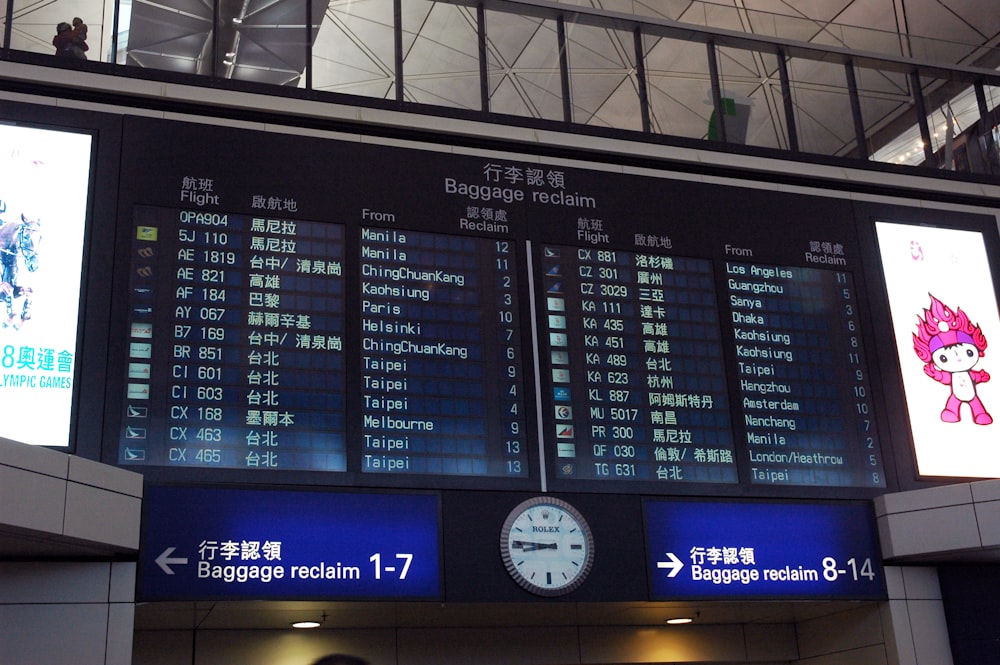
{"x": 886, "y": 110}
{"x": 353, "y": 53}
{"x": 523, "y": 66}
{"x": 989, "y": 140}
{"x": 680, "y": 94}
{"x": 822, "y": 107}
{"x": 264, "y": 41}
{"x": 750, "y": 79}
{"x": 603, "y": 85}
{"x": 948, "y": 118}
{"x": 34, "y": 27}
{"x": 441, "y": 55}
{"x": 170, "y": 35}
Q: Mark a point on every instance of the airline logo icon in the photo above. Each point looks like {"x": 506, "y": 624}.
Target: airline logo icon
{"x": 551, "y": 252}
{"x": 561, "y": 394}
{"x": 564, "y": 412}
{"x": 135, "y": 454}
{"x": 139, "y": 371}
{"x": 137, "y": 411}
{"x": 140, "y": 350}
{"x": 135, "y": 432}
{"x": 564, "y": 431}
{"x": 556, "y": 304}
{"x": 555, "y": 287}
{"x": 558, "y": 339}
{"x": 138, "y": 391}
{"x": 554, "y": 271}
{"x": 142, "y": 330}
{"x": 566, "y": 450}
{"x": 560, "y": 375}
{"x": 146, "y": 233}
{"x": 560, "y": 358}
{"x": 557, "y": 321}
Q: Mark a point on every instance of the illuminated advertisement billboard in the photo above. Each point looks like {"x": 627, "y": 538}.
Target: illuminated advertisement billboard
{"x": 944, "y": 314}
{"x": 44, "y": 181}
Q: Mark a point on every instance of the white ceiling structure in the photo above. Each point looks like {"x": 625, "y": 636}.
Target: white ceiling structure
{"x": 353, "y": 52}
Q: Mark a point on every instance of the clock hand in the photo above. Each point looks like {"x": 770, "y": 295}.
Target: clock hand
{"x": 529, "y": 546}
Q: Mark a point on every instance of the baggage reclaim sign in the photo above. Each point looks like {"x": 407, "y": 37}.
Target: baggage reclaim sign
{"x": 762, "y": 550}
{"x": 201, "y": 544}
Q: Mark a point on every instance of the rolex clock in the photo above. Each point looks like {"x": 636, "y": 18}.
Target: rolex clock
{"x": 547, "y": 546}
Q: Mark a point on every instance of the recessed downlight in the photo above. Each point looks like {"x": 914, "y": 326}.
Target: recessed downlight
{"x": 306, "y": 624}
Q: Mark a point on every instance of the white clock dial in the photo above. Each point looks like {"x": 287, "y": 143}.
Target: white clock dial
{"x": 546, "y": 546}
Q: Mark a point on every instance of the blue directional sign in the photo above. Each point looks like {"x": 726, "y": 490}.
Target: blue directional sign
{"x": 762, "y": 550}
{"x": 201, "y": 543}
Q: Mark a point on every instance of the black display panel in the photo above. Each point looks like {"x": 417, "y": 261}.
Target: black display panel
{"x": 441, "y": 375}
{"x": 804, "y": 386}
{"x": 634, "y": 352}
{"x": 235, "y": 346}
{"x": 421, "y": 319}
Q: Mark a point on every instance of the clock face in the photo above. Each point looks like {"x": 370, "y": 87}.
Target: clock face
{"x": 547, "y": 546}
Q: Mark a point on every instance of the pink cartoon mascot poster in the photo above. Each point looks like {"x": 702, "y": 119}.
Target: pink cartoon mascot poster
{"x": 950, "y": 346}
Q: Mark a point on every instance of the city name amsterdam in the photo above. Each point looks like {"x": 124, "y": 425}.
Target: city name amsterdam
{"x": 771, "y": 404}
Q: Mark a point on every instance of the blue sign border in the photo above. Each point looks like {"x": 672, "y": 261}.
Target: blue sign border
{"x": 213, "y": 543}
{"x": 758, "y": 550}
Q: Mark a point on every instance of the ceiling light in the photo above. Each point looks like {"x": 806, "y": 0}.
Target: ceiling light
{"x": 306, "y": 624}
{"x": 679, "y": 620}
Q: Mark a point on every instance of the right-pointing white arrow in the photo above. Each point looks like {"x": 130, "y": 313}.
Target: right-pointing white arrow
{"x": 674, "y": 564}
{"x": 164, "y": 561}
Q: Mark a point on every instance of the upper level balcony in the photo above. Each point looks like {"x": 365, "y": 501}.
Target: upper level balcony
{"x": 687, "y": 73}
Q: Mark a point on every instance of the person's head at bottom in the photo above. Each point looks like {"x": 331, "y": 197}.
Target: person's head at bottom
{"x": 340, "y": 659}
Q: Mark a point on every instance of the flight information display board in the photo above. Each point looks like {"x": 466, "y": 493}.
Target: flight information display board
{"x": 635, "y": 355}
{"x": 468, "y": 321}
{"x": 235, "y": 345}
{"x": 441, "y": 379}
{"x": 804, "y": 389}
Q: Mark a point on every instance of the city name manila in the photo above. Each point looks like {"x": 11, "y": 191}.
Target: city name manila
{"x": 766, "y": 439}
{"x": 383, "y": 236}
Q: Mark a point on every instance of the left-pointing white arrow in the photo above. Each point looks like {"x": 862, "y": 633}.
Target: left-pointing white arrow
{"x": 674, "y": 565}
{"x": 164, "y": 561}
